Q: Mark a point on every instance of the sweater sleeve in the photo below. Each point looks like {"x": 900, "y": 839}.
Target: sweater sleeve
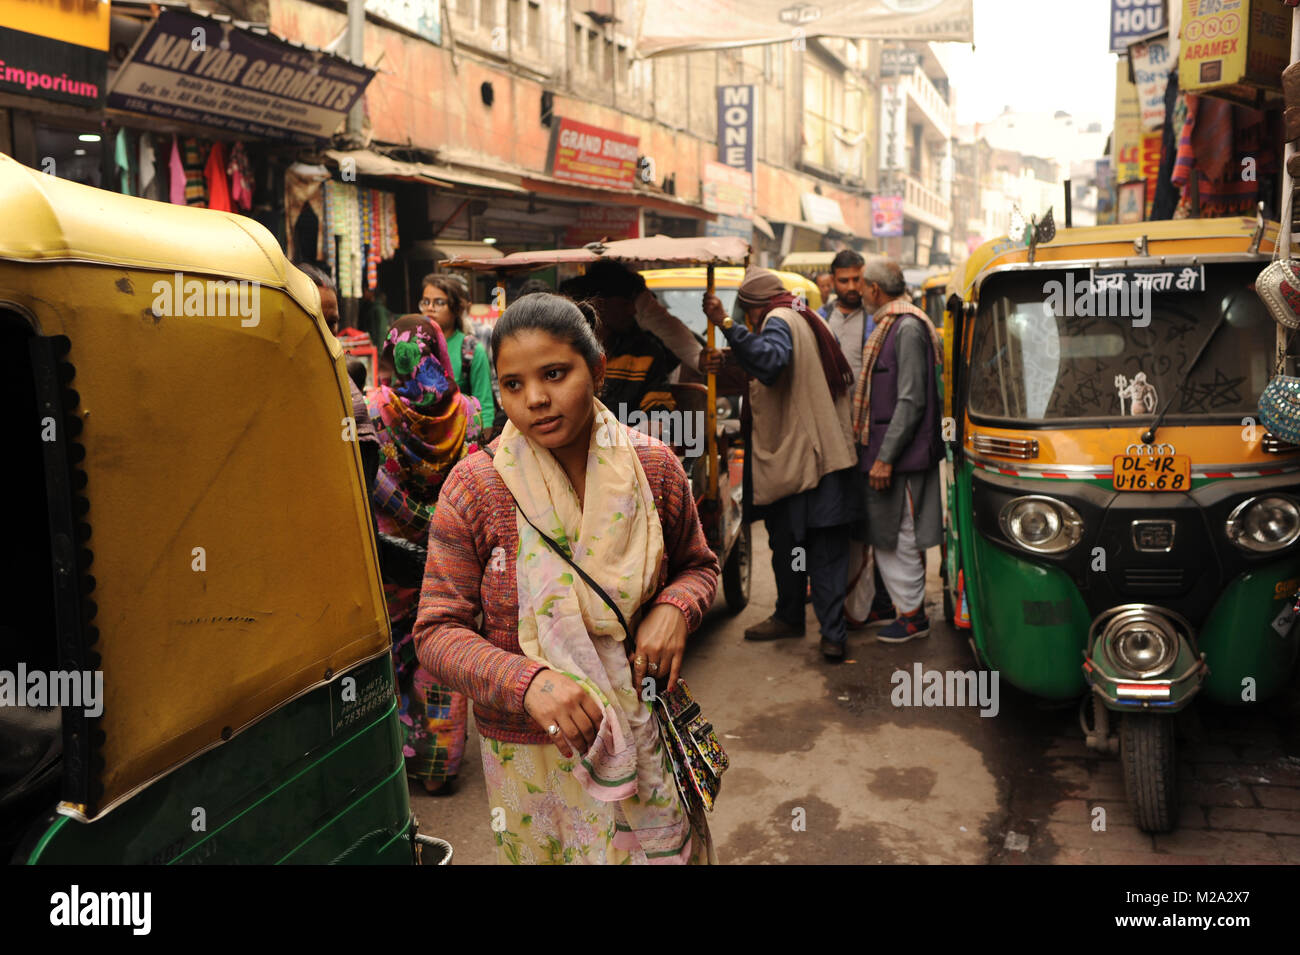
{"x": 480, "y": 385}
{"x": 692, "y": 566}
{"x": 765, "y": 354}
{"x": 668, "y": 328}
{"x": 912, "y": 356}
{"x": 446, "y": 641}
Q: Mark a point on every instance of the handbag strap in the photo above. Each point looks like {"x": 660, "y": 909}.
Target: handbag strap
{"x": 586, "y": 578}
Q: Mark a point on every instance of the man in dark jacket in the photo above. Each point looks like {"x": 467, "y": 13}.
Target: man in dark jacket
{"x": 897, "y": 424}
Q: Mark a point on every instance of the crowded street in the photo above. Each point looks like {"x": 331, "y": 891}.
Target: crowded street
{"x": 882, "y": 784}
{"x": 462, "y": 433}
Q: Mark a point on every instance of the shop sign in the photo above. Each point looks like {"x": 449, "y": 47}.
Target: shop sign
{"x": 894, "y": 61}
{"x": 603, "y": 222}
{"x": 1152, "y": 62}
{"x": 886, "y": 216}
{"x": 730, "y": 225}
{"x": 1149, "y": 166}
{"x": 55, "y": 50}
{"x": 592, "y": 156}
{"x": 1127, "y": 141}
{"x": 736, "y": 126}
{"x": 421, "y": 17}
{"x": 1227, "y": 43}
{"x": 728, "y": 191}
{"x": 1132, "y": 21}
{"x": 198, "y": 70}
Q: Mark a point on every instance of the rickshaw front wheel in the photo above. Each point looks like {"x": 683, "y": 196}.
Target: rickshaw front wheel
{"x": 1147, "y": 753}
{"x": 735, "y": 574}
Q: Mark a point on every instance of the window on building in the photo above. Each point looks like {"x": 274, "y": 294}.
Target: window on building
{"x": 774, "y": 64}
{"x": 915, "y": 158}
{"x": 816, "y": 113}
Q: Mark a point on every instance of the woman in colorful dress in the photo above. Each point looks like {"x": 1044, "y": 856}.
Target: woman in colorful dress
{"x": 445, "y": 304}
{"x": 425, "y": 427}
{"x": 575, "y": 767}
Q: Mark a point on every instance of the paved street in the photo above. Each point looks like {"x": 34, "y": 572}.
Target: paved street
{"x": 873, "y": 783}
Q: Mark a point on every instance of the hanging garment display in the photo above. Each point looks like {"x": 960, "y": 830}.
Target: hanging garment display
{"x": 241, "y": 178}
{"x": 304, "y": 200}
{"x": 360, "y": 231}
{"x": 214, "y": 177}
{"x": 122, "y": 162}
{"x": 196, "y": 193}
{"x": 176, "y": 173}
{"x": 150, "y": 188}
{"x": 1218, "y": 142}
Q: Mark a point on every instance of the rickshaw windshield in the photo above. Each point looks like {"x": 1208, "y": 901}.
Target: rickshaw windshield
{"x": 1041, "y": 352}
{"x": 684, "y": 303}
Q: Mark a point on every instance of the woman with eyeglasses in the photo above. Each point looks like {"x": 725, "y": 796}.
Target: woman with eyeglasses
{"x": 444, "y": 303}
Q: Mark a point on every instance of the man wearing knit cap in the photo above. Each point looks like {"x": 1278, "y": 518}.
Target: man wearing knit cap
{"x": 800, "y": 463}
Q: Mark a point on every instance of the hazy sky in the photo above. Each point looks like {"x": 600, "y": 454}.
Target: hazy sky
{"x": 1035, "y": 55}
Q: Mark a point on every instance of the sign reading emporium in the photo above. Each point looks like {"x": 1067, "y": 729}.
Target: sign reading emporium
{"x": 203, "y": 70}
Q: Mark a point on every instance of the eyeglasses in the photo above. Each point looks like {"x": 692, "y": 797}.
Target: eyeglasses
{"x": 432, "y": 302}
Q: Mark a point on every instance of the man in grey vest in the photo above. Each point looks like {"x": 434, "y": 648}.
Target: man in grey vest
{"x": 896, "y": 421}
{"x": 800, "y": 456}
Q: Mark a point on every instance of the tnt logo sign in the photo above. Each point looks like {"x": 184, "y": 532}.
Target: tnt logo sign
{"x": 736, "y": 126}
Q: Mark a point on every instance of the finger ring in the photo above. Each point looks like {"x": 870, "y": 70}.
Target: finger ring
{"x": 654, "y": 668}
{"x": 553, "y": 730}
{"x": 640, "y": 660}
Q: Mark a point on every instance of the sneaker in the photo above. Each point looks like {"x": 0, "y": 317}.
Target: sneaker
{"x": 874, "y": 618}
{"x": 832, "y": 651}
{"x": 909, "y": 626}
{"x": 772, "y": 629}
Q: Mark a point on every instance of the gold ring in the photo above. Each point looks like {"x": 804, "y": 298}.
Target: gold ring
{"x": 640, "y": 660}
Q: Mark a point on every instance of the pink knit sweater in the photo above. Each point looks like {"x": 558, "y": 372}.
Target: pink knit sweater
{"x": 471, "y": 570}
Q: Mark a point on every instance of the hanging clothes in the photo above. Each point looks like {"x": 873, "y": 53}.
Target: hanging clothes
{"x": 150, "y": 187}
{"x": 196, "y": 193}
{"x": 241, "y": 178}
{"x": 122, "y": 162}
{"x": 1215, "y": 142}
{"x": 304, "y": 200}
{"x": 214, "y": 177}
{"x": 176, "y": 170}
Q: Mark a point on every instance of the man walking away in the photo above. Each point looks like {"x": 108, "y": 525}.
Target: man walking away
{"x": 896, "y": 421}
{"x": 802, "y": 456}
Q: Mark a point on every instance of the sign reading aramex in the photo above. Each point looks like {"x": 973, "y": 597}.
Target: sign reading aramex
{"x": 592, "y": 156}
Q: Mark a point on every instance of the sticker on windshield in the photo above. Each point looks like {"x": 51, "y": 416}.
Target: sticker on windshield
{"x": 1139, "y": 393}
{"x": 1173, "y": 278}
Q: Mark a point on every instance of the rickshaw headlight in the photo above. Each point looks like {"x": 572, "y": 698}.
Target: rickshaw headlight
{"x": 1264, "y": 524}
{"x": 1142, "y": 647}
{"x": 1043, "y": 525}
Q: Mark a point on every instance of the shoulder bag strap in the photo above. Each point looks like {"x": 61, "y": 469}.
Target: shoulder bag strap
{"x": 586, "y": 578}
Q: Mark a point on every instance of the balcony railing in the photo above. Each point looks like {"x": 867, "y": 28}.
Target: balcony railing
{"x": 930, "y": 101}
{"x": 926, "y": 206}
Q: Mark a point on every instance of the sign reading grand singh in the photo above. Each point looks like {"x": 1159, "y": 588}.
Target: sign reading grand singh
{"x": 592, "y": 156}
{"x": 201, "y": 70}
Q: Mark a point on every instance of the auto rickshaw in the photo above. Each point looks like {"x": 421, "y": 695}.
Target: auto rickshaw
{"x": 716, "y": 476}
{"x": 177, "y": 399}
{"x": 1119, "y": 528}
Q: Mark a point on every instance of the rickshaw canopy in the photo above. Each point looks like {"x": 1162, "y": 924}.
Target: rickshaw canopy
{"x": 213, "y": 404}
{"x": 659, "y": 249}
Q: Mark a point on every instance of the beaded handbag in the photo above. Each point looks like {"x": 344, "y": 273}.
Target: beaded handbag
{"x": 1279, "y": 408}
{"x": 1278, "y": 286}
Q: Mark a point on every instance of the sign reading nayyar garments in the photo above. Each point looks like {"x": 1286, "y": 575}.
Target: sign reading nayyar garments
{"x": 55, "y": 49}
{"x": 1134, "y": 20}
{"x": 190, "y": 68}
{"x": 736, "y": 126}
{"x": 592, "y": 156}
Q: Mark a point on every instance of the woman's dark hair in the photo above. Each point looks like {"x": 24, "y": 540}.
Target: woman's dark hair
{"x": 451, "y": 288}
{"x": 574, "y": 323}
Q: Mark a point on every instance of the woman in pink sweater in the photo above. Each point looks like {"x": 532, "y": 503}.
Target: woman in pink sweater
{"x": 575, "y": 767}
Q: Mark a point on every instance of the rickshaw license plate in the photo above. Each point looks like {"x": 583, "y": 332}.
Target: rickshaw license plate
{"x": 1145, "y": 472}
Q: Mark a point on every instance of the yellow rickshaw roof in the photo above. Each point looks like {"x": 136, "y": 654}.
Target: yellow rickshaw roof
{"x": 1170, "y": 237}
{"x": 56, "y": 220}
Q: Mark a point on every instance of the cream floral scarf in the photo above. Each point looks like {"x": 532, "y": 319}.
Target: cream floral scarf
{"x": 617, "y": 540}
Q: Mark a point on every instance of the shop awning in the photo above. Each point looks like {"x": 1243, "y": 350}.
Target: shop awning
{"x": 763, "y": 226}
{"x": 435, "y": 249}
{"x": 666, "y": 205}
{"x": 366, "y": 162}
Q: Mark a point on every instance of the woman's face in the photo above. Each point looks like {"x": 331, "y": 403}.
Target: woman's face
{"x": 436, "y": 305}
{"x": 547, "y": 390}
